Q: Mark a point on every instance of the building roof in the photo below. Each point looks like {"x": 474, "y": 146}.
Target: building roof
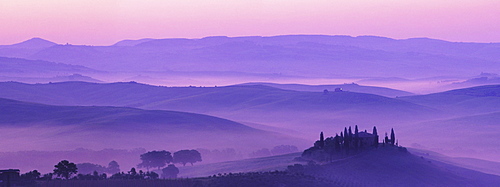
{"x": 363, "y": 134}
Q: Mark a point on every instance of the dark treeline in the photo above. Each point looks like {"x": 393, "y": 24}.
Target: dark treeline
{"x": 346, "y": 143}
{"x": 66, "y": 170}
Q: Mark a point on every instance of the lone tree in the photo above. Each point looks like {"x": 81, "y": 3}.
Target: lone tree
{"x": 65, "y": 169}
{"x": 113, "y": 167}
{"x": 155, "y": 159}
{"x": 170, "y": 171}
{"x": 187, "y": 156}
{"x": 393, "y": 137}
{"x": 321, "y": 140}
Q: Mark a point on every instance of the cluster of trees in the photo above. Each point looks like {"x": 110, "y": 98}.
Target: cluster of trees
{"x": 68, "y": 170}
{"x": 158, "y": 159}
{"x": 89, "y": 168}
{"x": 88, "y": 171}
{"x": 133, "y": 174}
{"x": 345, "y": 143}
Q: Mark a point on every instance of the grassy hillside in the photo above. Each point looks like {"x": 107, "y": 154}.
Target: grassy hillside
{"x": 385, "y": 166}
{"x": 484, "y": 166}
{"x": 468, "y": 136}
{"x": 248, "y": 165}
{"x": 207, "y": 99}
{"x": 23, "y": 113}
{"x": 28, "y": 126}
{"x": 389, "y": 166}
{"x": 474, "y": 100}
{"x": 306, "y": 112}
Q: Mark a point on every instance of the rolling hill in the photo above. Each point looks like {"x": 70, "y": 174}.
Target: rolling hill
{"x": 97, "y": 127}
{"x": 387, "y": 92}
{"x": 469, "y": 136}
{"x": 303, "y": 113}
{"x": 209, "y": 98}
{"x": 243, "y": 102}
{"x": 19, "y": 66}
{"x": 466, "y": 101}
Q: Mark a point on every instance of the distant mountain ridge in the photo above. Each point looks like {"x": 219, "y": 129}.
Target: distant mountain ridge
{"x": 36, "y": 43}
{"x": 293, "y": 55}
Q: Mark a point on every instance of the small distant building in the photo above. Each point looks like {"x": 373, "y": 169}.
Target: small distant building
{"x": 366, "y": 139}
{"x": 338, "y": 90}
{"x": 9, "y": 177}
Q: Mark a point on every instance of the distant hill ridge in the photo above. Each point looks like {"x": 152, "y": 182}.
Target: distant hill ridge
{"x": 196, "y": 99}
{"x": 33, "y": 43}
{"x": 24, "y": 113}
{"x": 353, "y": 87}
{"x": 291, "y": 55}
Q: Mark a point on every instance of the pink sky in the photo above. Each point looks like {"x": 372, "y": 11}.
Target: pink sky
{"x": 104, "y": 22}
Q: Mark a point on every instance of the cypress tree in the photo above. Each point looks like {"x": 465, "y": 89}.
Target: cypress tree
{"x": 341, "y": 137}
{"x": 376, "y": 136}
{"x": 346, "y": 136}
{"x": 386, "y": 139}
{"x": 393, "y": 137}
{"x": 321, "y": 140}
{"x": 346, "y": 140}
{"x": 356, "y": 137}
{"x": 336, "y": 141}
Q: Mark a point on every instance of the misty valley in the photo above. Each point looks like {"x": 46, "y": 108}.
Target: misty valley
{"x": 291, "y": 110}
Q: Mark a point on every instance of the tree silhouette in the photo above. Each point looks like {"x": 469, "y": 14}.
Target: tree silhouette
{"x": 155, "y": 159}
{"x": 321, "y": 140}
{"x": 187, "y": 156}
{"x": 393, "y": 137}
{"x": 65, "y": 169}
{"x": 376, "y": 136}
{"x": 170, "y": 171}
{"x": 356, "y": 137}
{"x": 113, "y": 167}
{"x": 87, "y": 168}
{"x": 30, "y": 176}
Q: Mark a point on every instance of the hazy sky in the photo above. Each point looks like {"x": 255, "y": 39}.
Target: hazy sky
{"x": 104, "y": 22}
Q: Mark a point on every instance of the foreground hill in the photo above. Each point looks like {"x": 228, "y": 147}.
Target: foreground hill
{"x": 465, "y": 162}
{"x": 50, "y": 127}
{"x": 385, "y": 166}
{"x": 388, "y": 166}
